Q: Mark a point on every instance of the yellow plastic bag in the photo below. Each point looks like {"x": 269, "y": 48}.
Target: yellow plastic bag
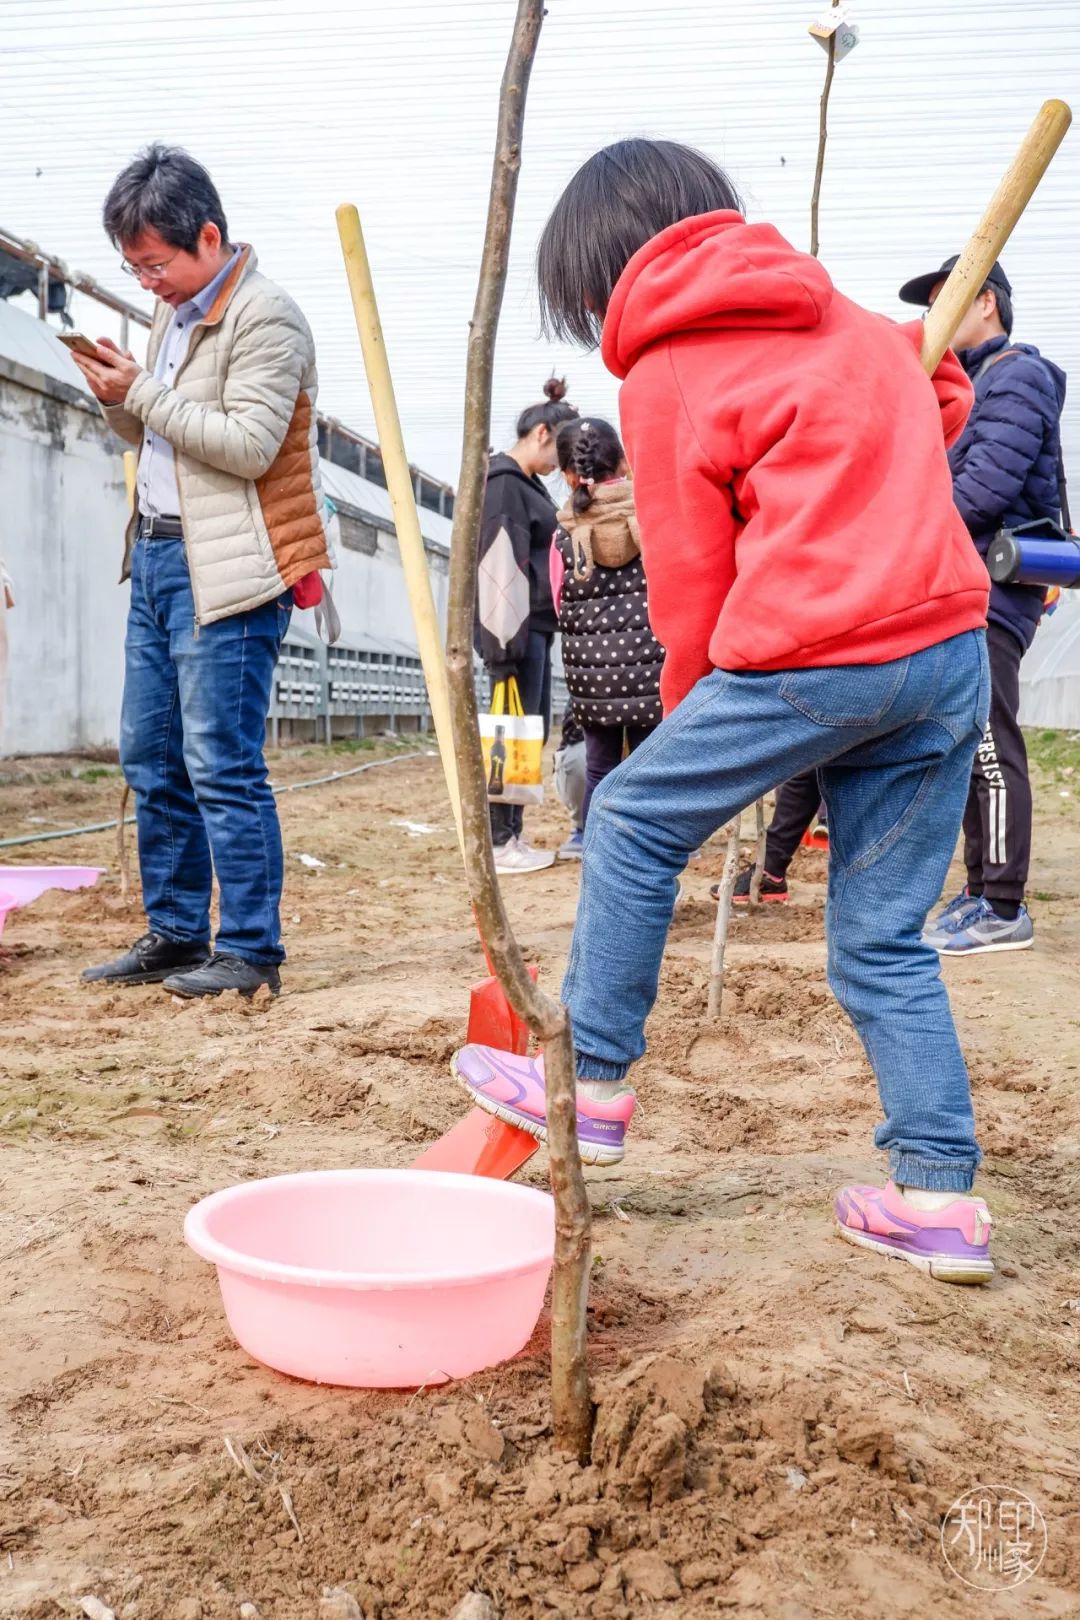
{"x": 513, "y": 747}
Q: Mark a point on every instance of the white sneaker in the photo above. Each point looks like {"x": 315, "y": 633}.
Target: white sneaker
{"x": 518, "y": 857}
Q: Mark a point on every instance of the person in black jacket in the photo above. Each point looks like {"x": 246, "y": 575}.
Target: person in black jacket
{"x": 515, "y": 614}
{"x": 1006, "y": 469}
{"x": 611, "y": 658}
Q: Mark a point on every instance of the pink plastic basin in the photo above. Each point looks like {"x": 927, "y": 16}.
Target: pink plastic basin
{"x": 7, "y": 903}
{"x": 26, "y": 883}
{"x": 378, "y": 1279}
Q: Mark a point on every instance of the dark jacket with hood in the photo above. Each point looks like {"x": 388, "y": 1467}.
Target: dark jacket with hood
{"x": 611, "y": 658}
{"x": 514, "y": 583}
{"x": 1005, "y": 463}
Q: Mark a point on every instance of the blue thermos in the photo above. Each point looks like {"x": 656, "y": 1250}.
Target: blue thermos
{"x": 1037, "y": 553}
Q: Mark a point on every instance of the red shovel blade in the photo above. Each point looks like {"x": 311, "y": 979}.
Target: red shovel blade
{"x": 492, "y": 1020}
{"x": 480, "y": 1144}
{"x": 813, "y": 840}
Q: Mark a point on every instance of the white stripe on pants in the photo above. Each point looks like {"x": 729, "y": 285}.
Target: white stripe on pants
{"x": 998, "y": 823}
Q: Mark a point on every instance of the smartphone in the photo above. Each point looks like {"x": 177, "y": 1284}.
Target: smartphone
{"x": 81, "y": 344}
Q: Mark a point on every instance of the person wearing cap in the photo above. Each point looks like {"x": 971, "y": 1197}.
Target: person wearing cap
{"x": 1005, "y": 468}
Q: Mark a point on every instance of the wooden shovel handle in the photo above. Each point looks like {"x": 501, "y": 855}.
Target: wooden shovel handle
{"x": 994, "y": 229}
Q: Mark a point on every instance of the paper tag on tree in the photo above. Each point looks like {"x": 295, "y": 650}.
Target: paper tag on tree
{"x": 836, "y": 21}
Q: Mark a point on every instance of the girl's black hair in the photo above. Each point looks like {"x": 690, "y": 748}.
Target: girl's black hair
{"x": 592, "y": 449}
{"x": 620, "y": 199}
{"x": 552, "y": 410}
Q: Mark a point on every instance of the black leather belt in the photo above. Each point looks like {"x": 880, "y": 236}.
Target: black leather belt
{"x": 160, "y": 528}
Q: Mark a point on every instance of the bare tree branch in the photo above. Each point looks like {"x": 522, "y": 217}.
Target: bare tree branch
{"x": 723, "y": 918}
{"x": 823, "y": 135}
{"x": 122, "y": 856}
{"x": 571, "y": 1405}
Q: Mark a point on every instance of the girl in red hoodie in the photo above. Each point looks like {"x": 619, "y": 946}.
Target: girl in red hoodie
{"x": 822, "y": 608}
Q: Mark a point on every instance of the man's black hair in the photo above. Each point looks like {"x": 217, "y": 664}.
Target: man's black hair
{"x": 1004, "y": 305}
{"x": 620, "y": 199}
{"x": 166, "y": 191}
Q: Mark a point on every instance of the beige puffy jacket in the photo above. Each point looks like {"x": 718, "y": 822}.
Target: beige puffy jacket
{"x": 240, "y": 417}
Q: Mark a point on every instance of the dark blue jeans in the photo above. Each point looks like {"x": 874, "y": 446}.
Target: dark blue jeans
{"x": 192, "y": 733}
{"x": 893, "y": 745}
{"x": 603, "y": 751}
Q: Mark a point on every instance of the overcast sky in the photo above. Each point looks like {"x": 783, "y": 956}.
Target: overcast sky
{"x": 295, "y": 109}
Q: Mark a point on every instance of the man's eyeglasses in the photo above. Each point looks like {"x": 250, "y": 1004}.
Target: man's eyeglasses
{"x": 151, "y": 272}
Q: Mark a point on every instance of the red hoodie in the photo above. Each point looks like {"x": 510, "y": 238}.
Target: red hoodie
{"x": 792, "y": 488}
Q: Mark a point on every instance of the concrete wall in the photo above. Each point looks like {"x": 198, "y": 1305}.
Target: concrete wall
{"x": 369, "y": 592}
{"x": 62, "y": 513}
{"x": 62, "y": 517}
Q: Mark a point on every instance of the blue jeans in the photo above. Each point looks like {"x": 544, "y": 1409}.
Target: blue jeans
{"x": 893, "y": 744}
{"x": 192, "y": 733}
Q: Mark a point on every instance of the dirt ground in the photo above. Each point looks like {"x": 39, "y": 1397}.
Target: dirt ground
{"x": 782, "y": 1420}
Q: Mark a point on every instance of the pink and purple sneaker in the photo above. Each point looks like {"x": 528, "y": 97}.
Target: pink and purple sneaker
{"x": 512, "y": 1088}
{"x": 951, "y": 1243}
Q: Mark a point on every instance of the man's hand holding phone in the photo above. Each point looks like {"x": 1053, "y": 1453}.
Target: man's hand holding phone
{"x": 109, "y": 371}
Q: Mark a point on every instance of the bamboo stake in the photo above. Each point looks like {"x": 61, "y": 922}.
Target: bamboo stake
{"x": 1012, "y": 196}
{"x": 723, "y": 918}
{"x": 131, "y": 473}
{"x": 571, "y": 1404}
{"x": 759, "y": 854}
{"x": 402, "y": 495}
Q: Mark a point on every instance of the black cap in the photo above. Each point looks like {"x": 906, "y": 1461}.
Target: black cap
{"x": 919, "y": 290}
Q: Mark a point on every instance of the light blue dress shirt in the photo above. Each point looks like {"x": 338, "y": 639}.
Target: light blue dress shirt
{"x": 156, "y": 481}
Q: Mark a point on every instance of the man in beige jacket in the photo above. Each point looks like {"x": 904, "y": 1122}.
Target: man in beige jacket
{"x": 229, "y": 528}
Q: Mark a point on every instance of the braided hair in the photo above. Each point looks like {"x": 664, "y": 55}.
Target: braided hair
{"x": 552, "y": 409}
{"x": 591, "y": 449}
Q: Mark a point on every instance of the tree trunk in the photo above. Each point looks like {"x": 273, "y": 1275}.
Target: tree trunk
{"x": 723, "y": 918}
{"x": 122, "y": 857}
{"x": 759, "y": 854}
{"x": 823, "y": 135}
{"x": 571, "y": 1405}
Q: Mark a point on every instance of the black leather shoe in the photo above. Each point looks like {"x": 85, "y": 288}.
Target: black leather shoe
{"x": 150, "y": 960}
{"x": 223, "y": 973}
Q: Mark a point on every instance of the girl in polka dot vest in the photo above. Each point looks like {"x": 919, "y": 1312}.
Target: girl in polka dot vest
{"x": 611, "y": 657}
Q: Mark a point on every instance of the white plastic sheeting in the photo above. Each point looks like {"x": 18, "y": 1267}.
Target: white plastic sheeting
{"x": 1050, "y": 672}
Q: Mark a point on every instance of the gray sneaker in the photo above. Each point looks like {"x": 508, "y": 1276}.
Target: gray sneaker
{"x": 957, "y": 914}
{"x": 984, "y": 930}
